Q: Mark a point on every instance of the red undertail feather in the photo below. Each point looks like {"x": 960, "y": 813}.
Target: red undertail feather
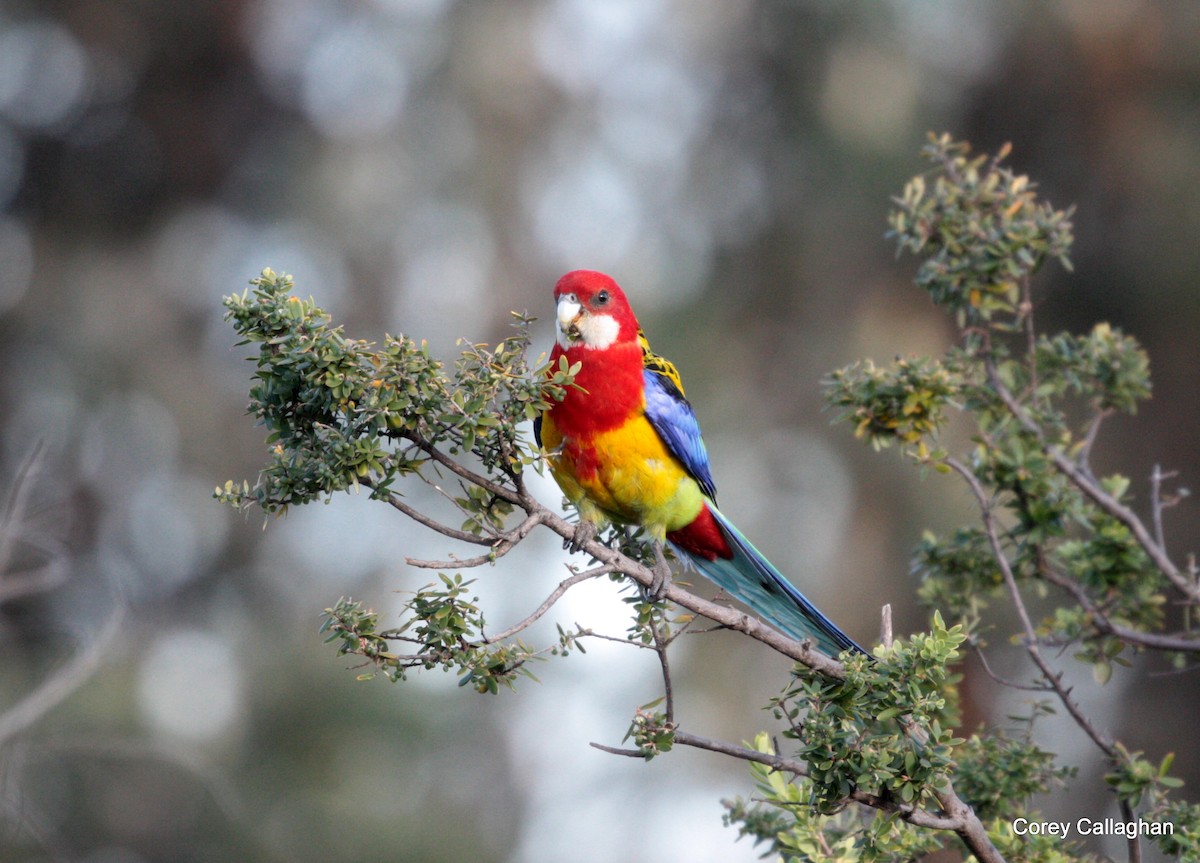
{"x": 702, "y": 538}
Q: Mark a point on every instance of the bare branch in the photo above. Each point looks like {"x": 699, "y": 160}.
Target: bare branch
{"x": 499, "y": 490}
{"x": 730, "y": 618}
{"x": 1004, "y": 681}
{"x": 1161, "y": 503}
{"x": 1102, "y": 622}
{"x": 18, "y": 501}
{"x": 1084, "y": 481}
{"x": 661, "y": 643}
{"x": 433, "y": 524}
{"x": 1134, "y": 842}
{"x": 1025, "y": 312}
{"x": 1089, "y": 440}
{"x": 49, "y": 575}
{"x": 504, "y": 543}
{"x": 14, "y": 531}
{"x": 557, "y": 594}
{"x": 1053, "y": 678}
{"x": 613, "y": 750}
{"x": 971, "y": 831}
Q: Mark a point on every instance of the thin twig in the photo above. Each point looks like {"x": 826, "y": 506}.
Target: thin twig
{"x": 1089, "y": 441}
{"x": 614, "y": 750}
{"x": 557, "y": 594}
{"x": 1052, "y": 677}
{"x": 1083, "y": 480}
{"x": 1158, "y": 502}
{"x": 660, "y": 648}
{"x": 1133, "y": 842}
{"x": 1102, "y": 622}
{"x": 918, "y": 817}
{"x": 14, "y": 510}
{"x": 1004, "y": 681}
{"x": 500, "y": 491}
{"x": 504, "y": 543}
{"x": 433, "y": 524}
{"x": 12, "y": 533}
{"x": 1026, "y": 312}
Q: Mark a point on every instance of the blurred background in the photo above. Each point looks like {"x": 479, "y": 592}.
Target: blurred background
{"x": 425, "y": 166}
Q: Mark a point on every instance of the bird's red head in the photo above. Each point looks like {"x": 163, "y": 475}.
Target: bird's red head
{"x": 593, "y": 311}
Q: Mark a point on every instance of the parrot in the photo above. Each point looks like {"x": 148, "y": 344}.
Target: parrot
{"x": 624, "y": 445}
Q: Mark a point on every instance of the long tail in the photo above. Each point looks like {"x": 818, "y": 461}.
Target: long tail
{"x": 740, "y": 569}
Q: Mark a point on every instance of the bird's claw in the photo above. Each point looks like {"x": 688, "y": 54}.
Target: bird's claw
{"x": 585, "y": 532}
{"x": 661, "y": 581}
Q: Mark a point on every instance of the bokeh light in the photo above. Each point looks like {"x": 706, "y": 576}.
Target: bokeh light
{"x": 424, "y": 167}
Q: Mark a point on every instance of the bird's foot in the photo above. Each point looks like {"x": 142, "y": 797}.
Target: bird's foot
{"x": 585, "y": 532}
{"x": 662, "y": 576}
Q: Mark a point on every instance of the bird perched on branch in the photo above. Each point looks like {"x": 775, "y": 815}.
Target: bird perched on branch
{"x": 625, "y": 447}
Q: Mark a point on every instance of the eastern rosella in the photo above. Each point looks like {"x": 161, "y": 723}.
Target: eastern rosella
{"x": 625, "y": 447}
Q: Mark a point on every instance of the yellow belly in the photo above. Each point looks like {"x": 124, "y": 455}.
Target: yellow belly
{"x": 626, "y": 475}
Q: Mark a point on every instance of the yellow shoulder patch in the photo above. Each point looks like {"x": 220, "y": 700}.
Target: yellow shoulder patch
{"x": 657, "y": 364}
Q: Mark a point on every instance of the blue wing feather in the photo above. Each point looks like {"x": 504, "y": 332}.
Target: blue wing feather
{"x": 746, "y": 574}
{"x": 675, "y": 422}
{"x": 751, "y": 578}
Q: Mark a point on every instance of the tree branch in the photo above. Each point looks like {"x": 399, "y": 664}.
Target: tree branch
{"x": 499, "y": 490}
{"x": 1102, "y": 622}
{"x": 1161, "y": 504}
{"x": 1053, "y": 678}
{"x": 420, "y": 518}
{"x": 14, "y": 531}
{"x": 730, "y": 618}
{"x": 557, "y": 594}
{"x": 911, "y": 814}
{"x": 1083, "y": 480}
{"x": 504, "y": 543}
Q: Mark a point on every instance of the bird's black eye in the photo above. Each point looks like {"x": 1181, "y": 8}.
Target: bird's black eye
{"x": 602, "y": 298}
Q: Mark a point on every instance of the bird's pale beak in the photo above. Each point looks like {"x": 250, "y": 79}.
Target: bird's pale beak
{"x": 569, "y": 312}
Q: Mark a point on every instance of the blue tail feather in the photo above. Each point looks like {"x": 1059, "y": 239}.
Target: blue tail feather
{"x": 752, "y": 579}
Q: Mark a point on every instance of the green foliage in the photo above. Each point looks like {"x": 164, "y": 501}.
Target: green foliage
{"x": 980, "y": 231}
{"x": 1024, "y": 408}
{"x": 958, "y": 573}
{"x": 1028, "y": 404}
{"x": 887, "y": 727}
{"x": 335, "y": 407}
{"x": 1033, "y": 848}
{"x": 998, "y": 773}
{"x": 341, "y": 412}
{"x": 1107, "y": 368}
{"x": 1137, "y": 780}
{"x": 443, "y": 630}
{"x": 905, "y": 402}
{"x": 785, "y": 818}
{"x": 1052, "y": 532}
{"x": 651, "y": 731}
{"x": 1184, "y": 842}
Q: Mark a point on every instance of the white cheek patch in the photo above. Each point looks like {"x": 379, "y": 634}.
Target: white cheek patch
{"x": 598, "y": 332}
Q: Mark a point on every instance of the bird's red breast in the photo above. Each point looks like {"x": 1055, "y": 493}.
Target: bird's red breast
{"x": 608, "y": 447}
{"x": 608, "y": 388}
